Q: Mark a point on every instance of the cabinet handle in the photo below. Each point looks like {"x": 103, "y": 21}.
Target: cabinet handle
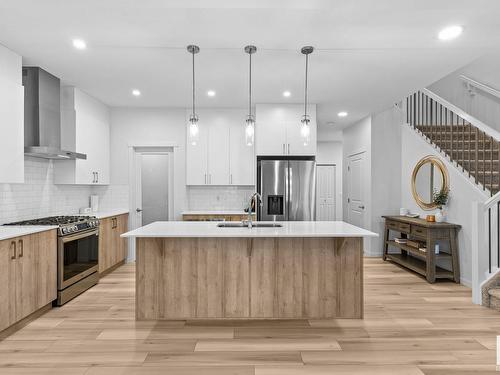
{"x": 284, "y": 152}
{"x": 210, "y": 179}
{"x": 13, "y": 247}
{"x": 230, "y": 179}
{"x": 21, "y": 248}
{"x": 289, "y": 148}
{"x": 97, "y": 177}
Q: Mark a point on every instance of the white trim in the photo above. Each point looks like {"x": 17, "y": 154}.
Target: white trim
{"x": 477, "y": 243}
{"x": 153, "y": 144}
{"x": 481, "y": 86}
{"x": 478, "y": 124}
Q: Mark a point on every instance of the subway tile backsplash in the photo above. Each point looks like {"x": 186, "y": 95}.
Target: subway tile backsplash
{"x": 218, "y": 197}
{"x": 39, "y": 197}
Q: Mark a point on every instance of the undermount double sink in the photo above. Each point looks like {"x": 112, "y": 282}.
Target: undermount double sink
{"x": 241, "y": 224}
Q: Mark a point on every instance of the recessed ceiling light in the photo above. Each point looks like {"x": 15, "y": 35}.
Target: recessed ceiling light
{"x": 342, "y": 114}
{"x": 136, "y": 92}
{"x": 287, "y": 94}
{"x": 211, "y": 93}
{"x": 450, "y": 32}
{"x": 79, "y": 44}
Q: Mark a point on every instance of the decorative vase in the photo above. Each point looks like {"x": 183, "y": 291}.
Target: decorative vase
{"x": 440, "y": 216}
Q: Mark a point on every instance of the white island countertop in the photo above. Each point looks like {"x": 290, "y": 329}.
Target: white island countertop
{"x": 288, "y": 229}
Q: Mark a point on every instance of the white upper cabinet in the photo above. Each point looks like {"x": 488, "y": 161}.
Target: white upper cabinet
{"x": 278, "y": 130}
{"x": 241, "y": 157}
{"x": 11, "y": 118}
{"x": 85, "y": 126}
{"x": 220, "y": 156}
{"x": 196, "y": 159}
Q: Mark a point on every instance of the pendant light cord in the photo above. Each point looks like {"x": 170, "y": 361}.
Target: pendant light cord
{"x": 305, "y": 93}
{"x": 193, "y": 85}
{"x": 250, "y": 88}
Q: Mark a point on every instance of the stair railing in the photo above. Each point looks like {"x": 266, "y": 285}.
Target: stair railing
{"x": 470, "y": 144}
{"x": 485, "y": 235}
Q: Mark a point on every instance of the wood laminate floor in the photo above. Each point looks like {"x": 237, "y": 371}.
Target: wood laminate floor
{"x": 410, "y": 328}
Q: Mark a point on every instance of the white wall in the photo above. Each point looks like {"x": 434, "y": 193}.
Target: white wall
{"x": 356, "y": 140}
{"x": 462, "y": 194}
{"x": 386, "y": 171}
{"x": 331, "y": 153}
{"x": 483, "y": 106}
{"x": 149, "y": 127}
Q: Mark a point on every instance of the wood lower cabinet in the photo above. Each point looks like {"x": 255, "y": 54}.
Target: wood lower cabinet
{"x": 28, "y": 275}
{"x": 258, "y": 278}
{"x": 112, "y": 248}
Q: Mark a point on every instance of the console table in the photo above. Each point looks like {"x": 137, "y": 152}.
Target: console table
{"x": 412, "y": 258}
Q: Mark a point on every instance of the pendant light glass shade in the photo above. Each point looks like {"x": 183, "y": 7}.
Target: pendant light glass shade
{"x": 249, "y": 131}
{"x": 250, "y": 121}
{"x": 193, "y": 130}
{"x": 305, "y": 128}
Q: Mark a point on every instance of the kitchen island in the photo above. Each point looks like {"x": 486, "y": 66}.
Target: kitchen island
{"x": 198, "y": 270}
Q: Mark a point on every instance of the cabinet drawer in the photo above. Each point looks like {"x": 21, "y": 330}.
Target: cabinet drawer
{"x": 404, "y": 227}
{"x": 394, "y": 225}
{"x": 418, "y": 231}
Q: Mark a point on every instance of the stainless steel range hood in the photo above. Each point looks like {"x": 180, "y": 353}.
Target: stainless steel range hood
{"x": 42, "y": 116}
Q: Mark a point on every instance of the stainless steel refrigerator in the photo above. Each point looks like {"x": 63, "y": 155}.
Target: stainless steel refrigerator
{"x": 287, "y": 188}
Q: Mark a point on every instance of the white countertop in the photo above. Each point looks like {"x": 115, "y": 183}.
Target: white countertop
{"x": 215, "y": 212}
{"x": 289, "y": 229}
{"x": 11, "y": 231}
{"x": 107, "y": 213}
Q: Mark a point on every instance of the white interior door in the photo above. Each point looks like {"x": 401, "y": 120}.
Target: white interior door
{"x": 151, "y": 188}
{"x": 356, "y": 190}
{"x": 154, "y": 187}
{"x": 325, "y": 192}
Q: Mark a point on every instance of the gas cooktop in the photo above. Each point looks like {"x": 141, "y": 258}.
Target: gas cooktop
{"x": 67, "y": 224}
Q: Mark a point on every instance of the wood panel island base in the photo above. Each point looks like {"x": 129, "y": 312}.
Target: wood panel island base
{"x": 303, "y": 270}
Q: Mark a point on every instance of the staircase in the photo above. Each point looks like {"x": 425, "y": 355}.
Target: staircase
{"x": 467, "y": 146}
{"x": 474, "y": 149}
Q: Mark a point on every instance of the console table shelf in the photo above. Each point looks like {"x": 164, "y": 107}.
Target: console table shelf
{"x": 418, "y": 261}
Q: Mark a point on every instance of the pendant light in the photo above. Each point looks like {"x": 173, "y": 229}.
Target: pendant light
{"x": 193, "y": 126}
{"x": 305, "y": 129}
{"x": 250, "y": 121}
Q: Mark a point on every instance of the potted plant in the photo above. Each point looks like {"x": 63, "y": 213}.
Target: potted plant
{"x": 440, "y": 198}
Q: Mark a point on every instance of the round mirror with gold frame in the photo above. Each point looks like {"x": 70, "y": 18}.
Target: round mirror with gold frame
{"x": 429, "y": 175}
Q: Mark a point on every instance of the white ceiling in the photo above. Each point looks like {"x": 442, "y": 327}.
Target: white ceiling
{"x": 368, "y": 53}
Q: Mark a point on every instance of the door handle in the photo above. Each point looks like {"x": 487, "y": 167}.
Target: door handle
{"x": 361, "y": 207}
{"x": 21, "y": 248}
{"x": 13, "y": 247}
{"x": 138, "y": 210}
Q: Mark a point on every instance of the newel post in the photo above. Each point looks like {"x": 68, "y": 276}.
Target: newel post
{"x": 478, "y": 252}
